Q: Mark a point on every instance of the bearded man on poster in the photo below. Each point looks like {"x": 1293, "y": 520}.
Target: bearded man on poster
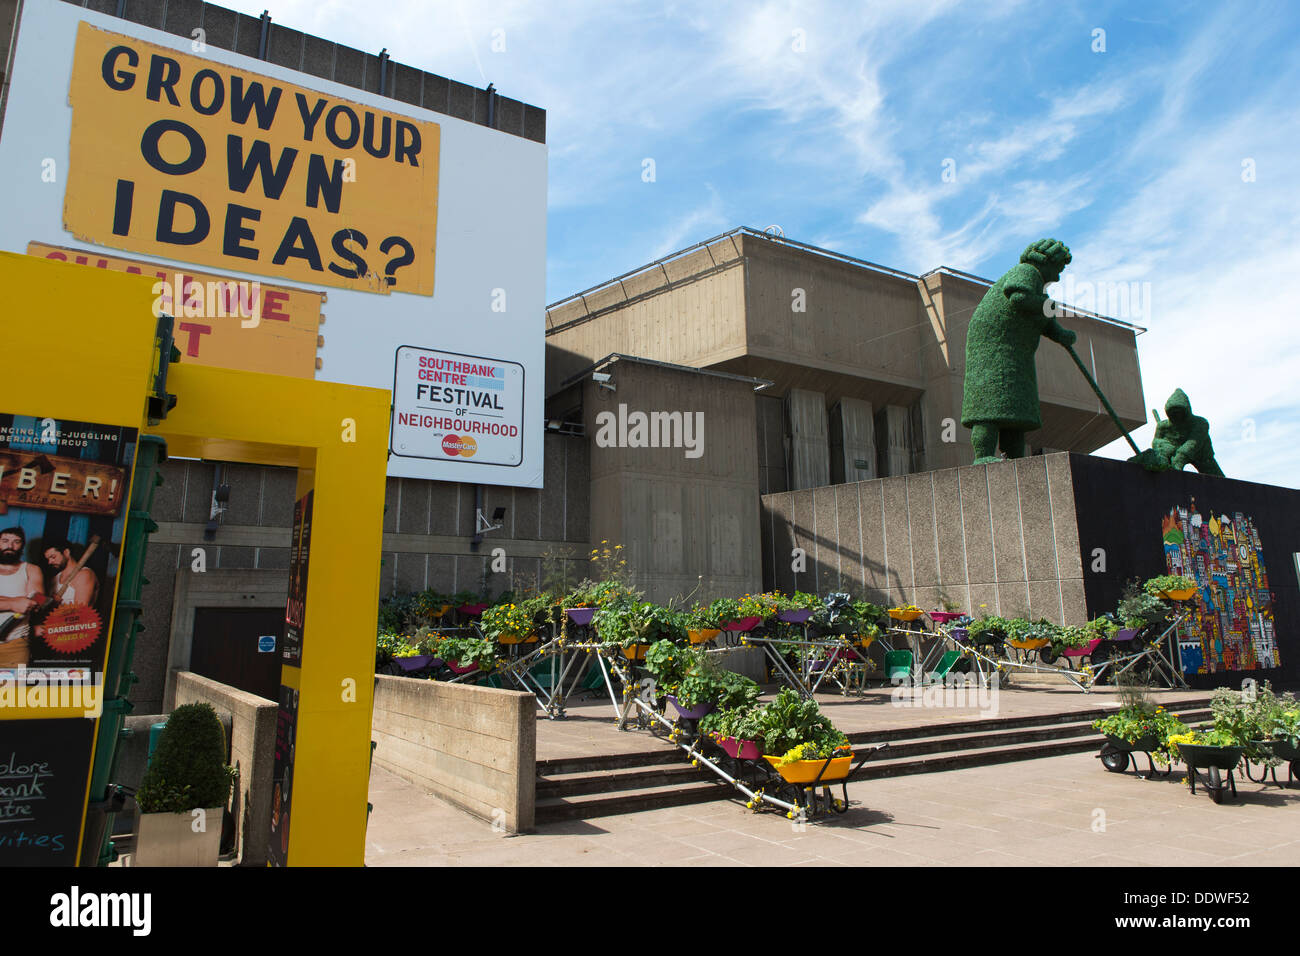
{"x": 20, "y": 592}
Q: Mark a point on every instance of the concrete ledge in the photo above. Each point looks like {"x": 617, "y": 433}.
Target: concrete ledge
{"x": 475, "y": 747}
{"x": 252, "y": 753}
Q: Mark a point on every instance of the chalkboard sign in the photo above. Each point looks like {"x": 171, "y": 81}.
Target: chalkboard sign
{"x": 43, "y": 774}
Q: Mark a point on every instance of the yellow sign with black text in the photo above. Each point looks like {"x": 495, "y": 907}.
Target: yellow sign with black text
{"x": 185, "y": 158}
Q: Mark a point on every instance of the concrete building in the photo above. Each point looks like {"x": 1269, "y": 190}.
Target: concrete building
{"x": 866, "y": 363}
{"x": 855, "y": 372}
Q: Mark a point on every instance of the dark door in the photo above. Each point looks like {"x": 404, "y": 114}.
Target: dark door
{"x": 230, "y": 646}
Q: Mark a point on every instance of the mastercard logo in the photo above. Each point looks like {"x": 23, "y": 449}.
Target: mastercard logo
{"x": 462, "y": 445}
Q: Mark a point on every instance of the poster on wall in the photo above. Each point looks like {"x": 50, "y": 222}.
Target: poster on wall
{"x": 1231, "y": 626}
{"x": 452, "y": 407}
{"x": 64, "y": 487}
{"x": 286, "y": 740}
{"x": 44, "y": 767}
{"x": 295, "y": 613}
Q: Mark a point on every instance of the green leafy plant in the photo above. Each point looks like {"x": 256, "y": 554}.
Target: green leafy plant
{"x": 1285, "y": 725}
{"x": 762, "y": 606}
{"x": 1137, "y": 608}
{"x": 742, "y": 723}
{"x": 1252, "y": 716}
{"x": 467, "y": 651}
{"x": 1200, "y": 737}
{"x": 1139, "y": 720}
{"x": 987, "y": 630}
{"x": 188, "y": 769}
{"x": 811, "y": 750}
{"x": 666, "y": 664}
{"x": 1163, "y": 583}
{"x": 1075, "y": 636}
{"x": 512, "y": 621}
{"x": 789, "y": 721}
{"x": 1025, "y": 631}
{"x": 725, "y": 610}
{"x": 699, "y": 618}
{"x": 387, "y": 644}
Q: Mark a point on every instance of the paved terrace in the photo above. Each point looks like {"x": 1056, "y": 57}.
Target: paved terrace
{"x": 1062, "y": 810}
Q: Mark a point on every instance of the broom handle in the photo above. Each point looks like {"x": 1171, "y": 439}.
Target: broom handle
{"x": 1115, "y": 418}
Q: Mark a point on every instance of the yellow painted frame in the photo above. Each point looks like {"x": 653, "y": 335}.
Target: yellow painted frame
{"x": 275, "y": 420}
{"x": 89, "y": 336}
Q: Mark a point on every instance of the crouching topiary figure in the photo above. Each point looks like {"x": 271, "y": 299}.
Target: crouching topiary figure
{"x": 1182, "y": 439}
{"x": 1000, "y": 397}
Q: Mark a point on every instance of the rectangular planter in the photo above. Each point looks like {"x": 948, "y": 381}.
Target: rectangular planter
{"x": 168, "y": 839}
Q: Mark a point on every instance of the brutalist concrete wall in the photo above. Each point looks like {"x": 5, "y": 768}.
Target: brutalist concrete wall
{"x": 687, "y": 517}
{"x": 252, "y": 754}
{"x": 999, "y": 538}
{"x": 332, "y": 61}
{"x": 1121, "y": 510}
{"x": 475, "y": 747}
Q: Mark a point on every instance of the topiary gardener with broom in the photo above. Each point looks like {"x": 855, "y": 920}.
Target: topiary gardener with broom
{"x": 1000, "y": 398}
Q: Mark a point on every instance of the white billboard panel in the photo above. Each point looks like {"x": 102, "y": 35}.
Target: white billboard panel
{"x": 423, "y": 234}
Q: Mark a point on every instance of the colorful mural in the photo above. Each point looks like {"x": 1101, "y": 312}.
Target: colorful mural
{"x": 1231, "y": 628}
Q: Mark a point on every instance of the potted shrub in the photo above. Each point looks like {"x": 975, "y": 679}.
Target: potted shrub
{"x": 183, "y": 796}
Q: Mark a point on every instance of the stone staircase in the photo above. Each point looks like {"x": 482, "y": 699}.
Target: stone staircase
{"x": 604, "y": 785}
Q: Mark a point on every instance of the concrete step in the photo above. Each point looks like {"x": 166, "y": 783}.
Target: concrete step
{"x": 675, "y": 773}
{"x": 583, "y": 806}
{"x": 605, "y": 785}
{"x": 991, "y": 740}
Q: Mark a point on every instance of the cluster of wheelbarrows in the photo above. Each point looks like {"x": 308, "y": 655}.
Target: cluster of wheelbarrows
{"x": 1259, "y": 761}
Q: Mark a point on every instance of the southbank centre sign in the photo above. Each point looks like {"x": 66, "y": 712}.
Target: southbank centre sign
{"x": 417, "y": 233}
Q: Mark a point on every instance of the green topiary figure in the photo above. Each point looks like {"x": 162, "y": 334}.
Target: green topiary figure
{"x": 188, "y": 769}
{"x": 1000, "y": 398}
{"x": 1181, "y": 439}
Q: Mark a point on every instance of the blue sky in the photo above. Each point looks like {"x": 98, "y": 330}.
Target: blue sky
{"x": 835, "y": 122}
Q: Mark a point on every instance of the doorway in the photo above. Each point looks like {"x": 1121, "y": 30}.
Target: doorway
{"x": 239, "y": 647}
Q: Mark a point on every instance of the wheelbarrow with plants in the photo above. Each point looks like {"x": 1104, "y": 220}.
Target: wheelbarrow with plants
{"x": 1117, "y": 754}
{"x": 1215, "y": 760}
{"x": 807, "y": 783}
{"x": 1269, "y": 755}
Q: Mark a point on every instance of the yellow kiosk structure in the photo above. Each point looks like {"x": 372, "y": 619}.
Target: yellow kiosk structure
{"x": 82, "y": 347}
